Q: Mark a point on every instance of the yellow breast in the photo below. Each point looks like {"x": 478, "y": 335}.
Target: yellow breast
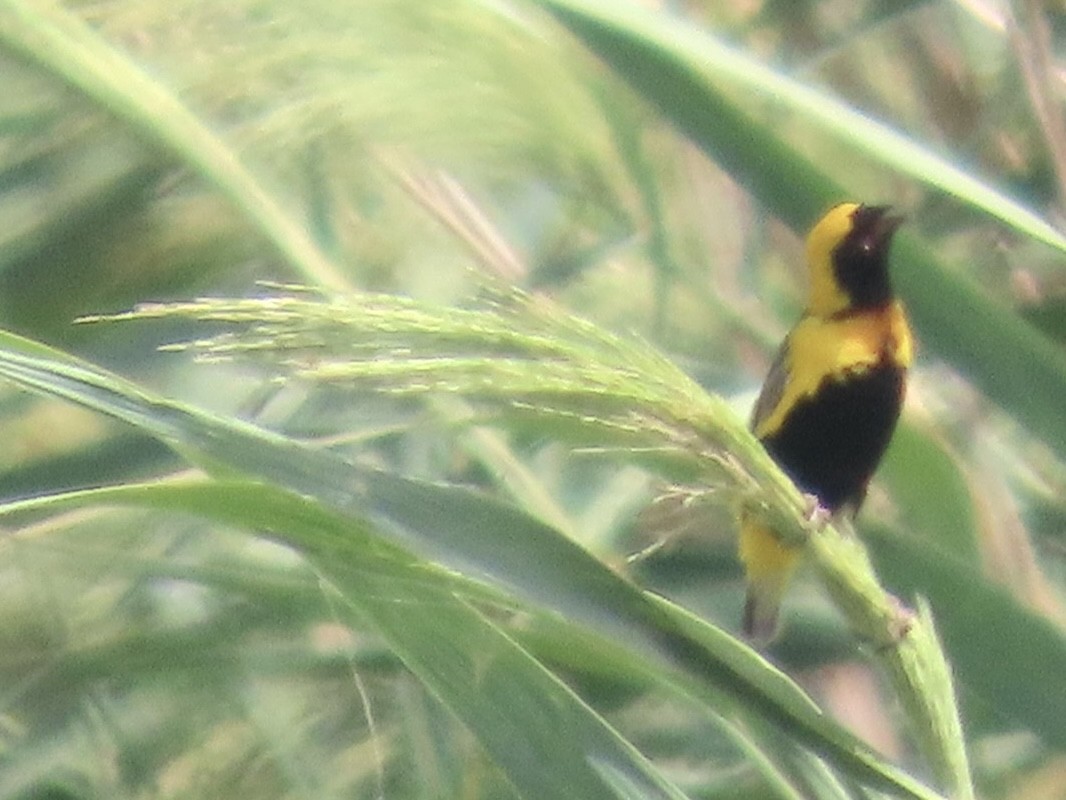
{"x": 821, "y": 350}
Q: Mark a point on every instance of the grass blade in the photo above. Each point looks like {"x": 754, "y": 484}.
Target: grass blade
{"x": 465, "y": 530}
{"x": 64, "y": 45}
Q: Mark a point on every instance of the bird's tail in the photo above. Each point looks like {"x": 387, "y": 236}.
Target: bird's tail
{"x": 769, "y": 564}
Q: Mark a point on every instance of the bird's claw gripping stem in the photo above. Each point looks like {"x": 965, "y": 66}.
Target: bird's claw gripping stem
{"x": 816, "y": 515}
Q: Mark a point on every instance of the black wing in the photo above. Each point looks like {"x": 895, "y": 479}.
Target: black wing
{"x": 773, "y": 388}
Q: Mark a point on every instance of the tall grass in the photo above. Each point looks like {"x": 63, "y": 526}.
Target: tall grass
{"x": 455, "y": 516}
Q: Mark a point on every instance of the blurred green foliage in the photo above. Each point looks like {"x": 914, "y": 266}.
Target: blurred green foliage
{"x": 627, "y": 164}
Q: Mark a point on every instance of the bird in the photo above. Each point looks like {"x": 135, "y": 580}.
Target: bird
{"x": 833, "y": 395}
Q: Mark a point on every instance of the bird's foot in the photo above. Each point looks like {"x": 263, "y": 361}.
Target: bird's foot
{"x": 817, "y": 515}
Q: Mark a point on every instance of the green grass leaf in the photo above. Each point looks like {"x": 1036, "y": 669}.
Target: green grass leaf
{"x": 467, "y": 531}
{"x": 548, "y": 742}
{"x": 991, "y": 637}
{"x": 644, "y": 46}
{"x": 67, "y": 47}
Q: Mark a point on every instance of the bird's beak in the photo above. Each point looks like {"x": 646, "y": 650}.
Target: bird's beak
{"x": 885, "y": 223}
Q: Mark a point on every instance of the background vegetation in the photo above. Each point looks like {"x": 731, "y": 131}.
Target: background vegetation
{"x": 394, "y": 545}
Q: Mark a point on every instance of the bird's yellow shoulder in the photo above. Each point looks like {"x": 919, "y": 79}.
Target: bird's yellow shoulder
{"x": 820, "y": 349}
